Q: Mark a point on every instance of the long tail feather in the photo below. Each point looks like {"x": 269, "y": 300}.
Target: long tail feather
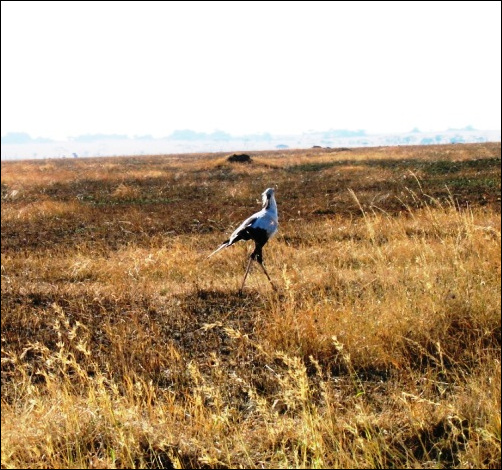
{"x": 223, "y": 245}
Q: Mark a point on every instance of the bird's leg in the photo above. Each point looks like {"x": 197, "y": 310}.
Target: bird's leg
{"x": 266, "y": 274}
{"x": 246, "y": 274}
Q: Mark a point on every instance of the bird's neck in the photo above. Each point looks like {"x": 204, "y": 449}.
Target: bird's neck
{"x": 271, "y": 206}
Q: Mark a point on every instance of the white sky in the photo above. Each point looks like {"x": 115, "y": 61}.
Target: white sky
{"x": 135, "y": 68}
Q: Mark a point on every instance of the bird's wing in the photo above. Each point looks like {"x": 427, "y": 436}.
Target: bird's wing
{"x": 234, "y": 237}
{"x": 247, "y": 223}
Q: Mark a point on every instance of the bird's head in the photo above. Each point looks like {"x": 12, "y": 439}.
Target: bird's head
{"x": 267, "y": 194}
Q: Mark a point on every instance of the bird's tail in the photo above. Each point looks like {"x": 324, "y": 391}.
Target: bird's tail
{"x": 223, "y": 245}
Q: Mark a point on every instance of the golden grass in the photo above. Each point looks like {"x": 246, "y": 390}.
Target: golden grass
{"x": 123, "y": 347}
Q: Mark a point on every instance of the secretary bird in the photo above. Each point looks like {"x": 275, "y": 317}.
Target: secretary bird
{"x": 259, "y": 227}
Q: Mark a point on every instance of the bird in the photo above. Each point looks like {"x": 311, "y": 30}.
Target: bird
{"x": 259, "y": 227}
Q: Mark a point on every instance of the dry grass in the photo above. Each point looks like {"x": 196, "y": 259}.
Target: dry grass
{"x": 122, "y": 347}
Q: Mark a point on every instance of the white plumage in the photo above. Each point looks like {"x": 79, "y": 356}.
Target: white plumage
{"x": 260, "y": 227}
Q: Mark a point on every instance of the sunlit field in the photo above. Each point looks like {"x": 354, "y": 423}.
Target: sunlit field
{"x": 124, "y": 347}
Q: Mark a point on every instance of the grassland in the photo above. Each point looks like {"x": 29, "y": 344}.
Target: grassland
{"x": 123, "y": 347}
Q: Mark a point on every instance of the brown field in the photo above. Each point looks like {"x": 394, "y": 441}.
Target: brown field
{"x": 123, "y": 347}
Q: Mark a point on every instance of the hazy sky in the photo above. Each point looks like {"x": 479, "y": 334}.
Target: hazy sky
{"x": 136, "y": 68}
